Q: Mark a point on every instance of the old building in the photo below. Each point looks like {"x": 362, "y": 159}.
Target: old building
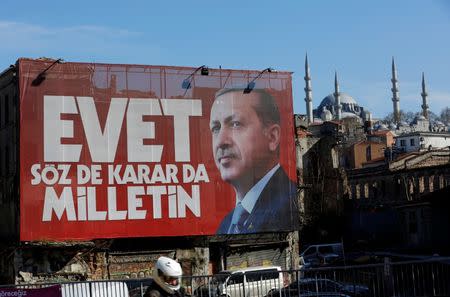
{"x": 386, "y": 137}
{"x": 390, "y": 203}
{"x": 420, "y": 141}
{"x": 365, "y": 151}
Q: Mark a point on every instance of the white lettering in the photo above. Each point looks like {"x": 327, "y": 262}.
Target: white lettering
{"x": 83, "y": 174}
{"x": 181, "y": 110}
{"x": 35, "y": 173}
{"x": 55, "y": 129}
{"x": 50, "y": 175}
{"x": 172, "y": 199}
{"x": 82, "y": 207}
{"x": 178, "y": 201}
{"x": 103, "y": 143}
{"x": 114, "y": 174}
{"x": 102, "y": 146}
{"x": 58, "y": 204}
{"x": 193, "y": 203}
{"x": 188, "y": 173}
{"x": 138, "y": 130}
{"x": 135, "y": 202}
{"x": 191, "y": 175}
{"x": 93, "y": 213}
{"x": 201, "y": 175}
{"x": 113, "y": 213}
{"x": 129, "y": 176}
{"x": 156, "y": 192}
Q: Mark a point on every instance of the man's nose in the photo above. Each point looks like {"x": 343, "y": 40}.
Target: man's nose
{"x": 223, "y": 137}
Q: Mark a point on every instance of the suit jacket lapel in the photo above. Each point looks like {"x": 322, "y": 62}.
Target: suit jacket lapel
{"x": 268, "y": 202}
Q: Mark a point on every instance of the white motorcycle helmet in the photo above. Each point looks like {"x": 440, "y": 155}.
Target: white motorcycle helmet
{"x": 169, "y": 273}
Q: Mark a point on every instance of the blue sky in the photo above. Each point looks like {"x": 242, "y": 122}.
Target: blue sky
{"x": 355, "y": 38}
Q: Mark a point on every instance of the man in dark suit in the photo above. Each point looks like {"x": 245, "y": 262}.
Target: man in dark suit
{"x": 246, "y": 131}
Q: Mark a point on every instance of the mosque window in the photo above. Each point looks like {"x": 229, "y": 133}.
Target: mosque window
{"x": 402, "y": 142}
{"x": 411, "y": 142}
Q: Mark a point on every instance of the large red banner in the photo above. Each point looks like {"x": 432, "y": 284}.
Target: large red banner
{"x": 111, "y": 151}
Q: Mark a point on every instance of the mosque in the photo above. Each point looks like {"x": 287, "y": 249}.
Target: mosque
{"x": 327, "y": 110}
{"x": 340, "y": 105}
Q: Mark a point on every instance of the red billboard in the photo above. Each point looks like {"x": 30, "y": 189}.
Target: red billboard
{"x": 110, "y": 151}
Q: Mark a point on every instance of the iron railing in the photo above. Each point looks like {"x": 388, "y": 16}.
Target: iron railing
{"x": 412, "y": 278}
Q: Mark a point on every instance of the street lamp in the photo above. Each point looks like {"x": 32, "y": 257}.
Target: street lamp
{"x": 186, "y": 84}
{"x": 42, "y": 75}
{"x": 251, "y": 84}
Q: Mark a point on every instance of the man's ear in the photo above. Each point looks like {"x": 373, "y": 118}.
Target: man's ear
{"x": 274, "y": 135}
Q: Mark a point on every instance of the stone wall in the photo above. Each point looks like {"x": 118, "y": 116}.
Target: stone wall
{"x": 47, "y": 264}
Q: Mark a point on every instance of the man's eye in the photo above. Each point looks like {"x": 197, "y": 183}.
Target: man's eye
{"x": 235, "y": 124}
{"x": 215, "y": 129}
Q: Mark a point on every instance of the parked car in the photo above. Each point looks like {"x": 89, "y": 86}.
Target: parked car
{"x": 320, "y": 287}
{"x": 293, "y": 292}
{"x": 251, "y": 281}
{"x": 321, "y": 254}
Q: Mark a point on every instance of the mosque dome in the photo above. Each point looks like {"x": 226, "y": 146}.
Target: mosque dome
{"x": 348, "y": 115}
{"x": 419, "y": 118}
{"x": 344, "y": 98}
{"x": 404, "y": 124}
{"x": 383, "y": 127}
{"x": 349, "y": 107}
{"x": 326, "y": 115}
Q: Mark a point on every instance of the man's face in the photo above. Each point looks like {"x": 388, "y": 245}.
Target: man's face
{"x": 242, "y": 145}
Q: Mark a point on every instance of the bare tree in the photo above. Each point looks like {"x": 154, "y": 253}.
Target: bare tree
{"x": 445, "y": 115}
{"x": 409, "y": 116}
{"x": 390, "y": 117}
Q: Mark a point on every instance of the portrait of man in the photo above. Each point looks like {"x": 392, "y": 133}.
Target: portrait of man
{"x": 246, "y": 132}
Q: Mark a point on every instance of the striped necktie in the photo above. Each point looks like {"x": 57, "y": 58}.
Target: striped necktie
{"x": 240, "y": 215}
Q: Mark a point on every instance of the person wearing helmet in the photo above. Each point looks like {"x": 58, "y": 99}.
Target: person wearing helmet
{"x": 167, "y": 279}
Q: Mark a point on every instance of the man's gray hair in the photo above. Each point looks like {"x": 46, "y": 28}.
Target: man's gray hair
{"x": 266, "y": 108}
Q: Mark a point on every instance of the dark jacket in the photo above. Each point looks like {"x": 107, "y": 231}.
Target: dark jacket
{"x": 275, "y": 210}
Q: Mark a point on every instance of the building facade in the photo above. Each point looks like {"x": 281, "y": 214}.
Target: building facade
{"x": 420, "y": 141}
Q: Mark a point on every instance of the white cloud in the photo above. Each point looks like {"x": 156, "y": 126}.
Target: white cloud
{"x": 18, "y": 30}
{"x": 79, "y": 43}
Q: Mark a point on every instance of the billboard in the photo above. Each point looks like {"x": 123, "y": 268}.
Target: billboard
{"x": 109, "y": 151}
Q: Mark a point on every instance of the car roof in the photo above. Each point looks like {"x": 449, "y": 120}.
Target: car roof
{"x": 247, "y": 269}
{"x": 325, "y": 244}
{"x": 317, "y": 280}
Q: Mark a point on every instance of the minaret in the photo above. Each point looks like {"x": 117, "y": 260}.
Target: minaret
{"x": 308, "y": 93}
{"x": 395, "y": 96}
{"x": 424, "y": 98}
{"x": 337, "y": 97}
